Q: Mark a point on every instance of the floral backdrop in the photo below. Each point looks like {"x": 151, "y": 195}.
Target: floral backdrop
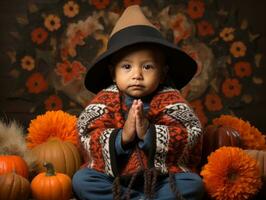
{"x": 59, "y": 39}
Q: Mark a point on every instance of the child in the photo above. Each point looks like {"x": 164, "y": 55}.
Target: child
{"x": 143, "y": 140}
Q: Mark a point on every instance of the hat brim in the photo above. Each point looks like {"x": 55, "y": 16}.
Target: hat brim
{"x": 182, "y": 67}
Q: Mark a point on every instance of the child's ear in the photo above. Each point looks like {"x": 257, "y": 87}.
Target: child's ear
{"x": 111, "y": 70}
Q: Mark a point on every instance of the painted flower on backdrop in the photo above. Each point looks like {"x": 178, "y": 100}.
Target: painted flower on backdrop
{"x": 227, "y": 34}
{"x": 100, "y": 4}
{"x": 53, "y": 102}
{"x": 77, "y": 32}
{"x": 231, "y": 87}
{"x": 243, "y": 69}
{"x": 52, "y": 22}
{"x": 28, "y": 63}
{"x": 39, "y": 35}
{"x": 36, "y": 83}
{"x": 181, "y": 27}
{"x": 71, "y": 9}
{"x": 238, "y": 49}
{"x": 70, "y": 71}
{"x": 196, "y": 9}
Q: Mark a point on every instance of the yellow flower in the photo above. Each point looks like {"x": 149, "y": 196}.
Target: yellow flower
{"x": 231, "y": 174}
{"x": 52, "y": 22}
{"x": 71, "y": 9}
{"x": 28, "y": 63}
{"x": 227, "y": 34}
{"x": 52, "y": 124}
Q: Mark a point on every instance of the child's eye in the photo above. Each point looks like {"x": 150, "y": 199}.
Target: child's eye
{"x": 126, "y": 66}
{"x": 148, "y": 66}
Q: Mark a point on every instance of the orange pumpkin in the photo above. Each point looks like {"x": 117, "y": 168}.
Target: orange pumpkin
{"x": 14, "y": 187}
{"x": 11, "y": 163}
{"x": 63, "y": 155}
{"x": 215, "y": 136}
{"x": 260, "y": 156}
{"x": 50, "y": 185}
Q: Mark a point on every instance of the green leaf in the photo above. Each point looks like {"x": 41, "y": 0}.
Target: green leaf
{"x": 46, "y": 56}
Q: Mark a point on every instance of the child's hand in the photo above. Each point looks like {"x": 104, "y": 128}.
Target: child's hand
{"x": 129, "y": 129}
{"x": 142, "y": 123}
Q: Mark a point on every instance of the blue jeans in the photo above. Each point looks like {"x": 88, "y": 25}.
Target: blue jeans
{"x": 89, "y": 184}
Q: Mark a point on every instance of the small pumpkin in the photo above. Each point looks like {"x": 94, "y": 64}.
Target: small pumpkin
{"x": 63, "y": 155}
{"x": 14, "y": 187}
{"x": 10, "y": 163}
{"x": 51, "y": 185}
{"x": 260, "y": 156}
{"x": 216, "y": 136}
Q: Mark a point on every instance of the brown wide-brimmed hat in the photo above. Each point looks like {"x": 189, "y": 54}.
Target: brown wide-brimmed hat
{"x": 133, "y": 28}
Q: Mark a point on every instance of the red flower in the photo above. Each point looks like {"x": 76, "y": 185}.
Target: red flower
{"x": 205, "y": 28}
{"x": 231, "y": 87}
{"x": 39, "y": 35}
{"x": 36, "y": 83}
{"x": 131, "y": 2}
{"x": 196, "y": 8}
{"x": 242, "y": 69}
{"x": 53, "y": 103}
{"x": 100, "y": 4}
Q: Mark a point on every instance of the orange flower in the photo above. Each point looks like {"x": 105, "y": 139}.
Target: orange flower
{"x": 131, "y": 2}
{"x": 39, "y": 35}
{"x": 231, "y": 174}
{"x": 196, "y": 8}
{"x": 213, "y": 102}
{"x": 231, "y": 88}
{"x": 205, "y": 28}
{"x": 53, "y": 103}
{"x": 252, "y": 138}
{"x": 71, "y": 9}
{"x": 70, "y": 71}
{"x": 36, "y": 83}
{"x": 52, "y": 124}
{"x": 28, "y": 63}
{"x": 242, "y": 69}
{"x": 52, "y": 22}
{"x": 227, "y": 34}
{"x": 238, "y": 49}
{"x": 100, "y": 4}
{"x": 196, "y": 105}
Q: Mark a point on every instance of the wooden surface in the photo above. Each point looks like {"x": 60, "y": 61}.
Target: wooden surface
{"x": 253, "y": 11}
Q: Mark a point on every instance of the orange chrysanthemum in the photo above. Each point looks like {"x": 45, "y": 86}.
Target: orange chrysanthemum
{"x": 52, "y": 124}
{"x": 252, "y": 138}
{"x": 231, "y": 174}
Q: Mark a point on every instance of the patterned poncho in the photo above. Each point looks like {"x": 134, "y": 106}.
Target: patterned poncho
{"x": 176, "y": 133}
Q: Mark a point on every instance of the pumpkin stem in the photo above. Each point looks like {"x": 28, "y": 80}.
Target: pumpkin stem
{"x": 50, "y": 169}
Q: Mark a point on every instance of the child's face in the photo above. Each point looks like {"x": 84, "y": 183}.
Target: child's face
{"x": 139, "y": 72}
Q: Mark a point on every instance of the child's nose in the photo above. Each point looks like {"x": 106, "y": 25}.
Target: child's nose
{"x": 137, "y": 73}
